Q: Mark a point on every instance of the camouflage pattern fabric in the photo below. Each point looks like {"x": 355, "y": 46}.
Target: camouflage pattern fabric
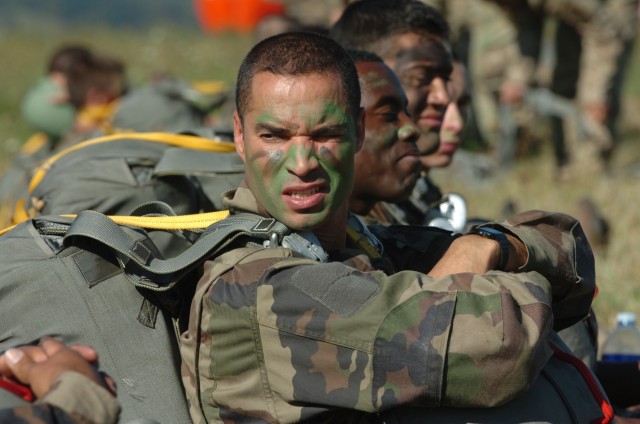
{"x": 73, "y": 399}
{"x": 562, "y": 393}
{"x": 277, "y": 338}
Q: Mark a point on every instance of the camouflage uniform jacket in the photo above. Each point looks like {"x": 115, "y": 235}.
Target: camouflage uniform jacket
{"x": 73, "y": 399}
{"x": 277, "y": 338}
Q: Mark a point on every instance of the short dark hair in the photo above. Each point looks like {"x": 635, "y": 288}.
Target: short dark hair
{"x": 105, "y": 74}
{"x": 359, "y": 56}
{"x": 68, "y": 58}
{"x": 297, "y": 53}
{"x": 366, "y": 23}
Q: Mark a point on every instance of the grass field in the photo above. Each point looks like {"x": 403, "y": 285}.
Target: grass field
{"x": 530, "y": 184}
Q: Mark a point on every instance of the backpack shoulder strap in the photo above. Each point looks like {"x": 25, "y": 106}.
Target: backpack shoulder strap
{"x": 94, "y": 227}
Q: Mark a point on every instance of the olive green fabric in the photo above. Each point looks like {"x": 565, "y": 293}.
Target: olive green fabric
{"x": 166, "y": 105}
{"x": 117, "y": 176}
{"x": 43, "y": 110}
{"x": 82, "y": 295}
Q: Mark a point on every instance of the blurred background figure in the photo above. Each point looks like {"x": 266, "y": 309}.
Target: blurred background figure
{"x": 73, "y": 102}
{"x": 427, "y": 204}
{"x": 47, "y": 107}
{"x": 455, "y": 117}
{"x": 272, "y": 25}
{"x": 75, "y": 98}
{"x": 486, "y": 42}
{"x": 591, "y": 43}
{"x": 562, "y": 60}
{"x": 94, "y": 92}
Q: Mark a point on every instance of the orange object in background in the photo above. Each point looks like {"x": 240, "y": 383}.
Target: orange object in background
{"x": 237, "y": 15}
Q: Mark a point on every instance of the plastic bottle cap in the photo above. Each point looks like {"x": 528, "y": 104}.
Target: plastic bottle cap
{"x": 626, "y": 318}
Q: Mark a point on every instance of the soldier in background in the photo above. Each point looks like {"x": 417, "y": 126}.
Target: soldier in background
{"x": 74, "y": 98}
{"x": 593, "y": 41}
{"x": 483, "y": 39}
{"x": 388, "y": 165}
{"x": 76, "y": 103}
{"x": 46, "y": 107}
{"x": 411, "y": 37}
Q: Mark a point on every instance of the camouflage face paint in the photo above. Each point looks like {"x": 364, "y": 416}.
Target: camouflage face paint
{"x": 275, "y": 157}
{"x": 373, "y": 80}
{"x": 299, "y": 145}
{"x": 381, "y": 137}
{"x": 387, "y": 166}
{"x": 406, "y": 130}
{"x": 423, "y": 65}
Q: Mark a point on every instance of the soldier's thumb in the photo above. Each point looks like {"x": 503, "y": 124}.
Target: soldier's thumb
{"x": 19, "y": 364}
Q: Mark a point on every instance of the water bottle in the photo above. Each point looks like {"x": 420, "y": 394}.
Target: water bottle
{"x": 623, "y": 344}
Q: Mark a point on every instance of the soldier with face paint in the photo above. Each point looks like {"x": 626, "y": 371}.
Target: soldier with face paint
{"x": 383, "y": 319}
{"x": 454, "y": 119}
{"x": 388, "y": 164}
{"x": 424, "y": 205}
{"x": 411, "y": 38}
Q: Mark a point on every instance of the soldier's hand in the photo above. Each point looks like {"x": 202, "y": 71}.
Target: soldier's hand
{"x": 596, "y": 111}
{"x": 40, "y": 366}
{"x": 512, "y": 92}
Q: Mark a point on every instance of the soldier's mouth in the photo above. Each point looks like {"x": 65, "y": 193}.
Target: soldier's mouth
{"x": 303, "y": 194}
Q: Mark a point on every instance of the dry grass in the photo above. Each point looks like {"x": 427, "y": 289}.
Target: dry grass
{"x": 532, "y": 184}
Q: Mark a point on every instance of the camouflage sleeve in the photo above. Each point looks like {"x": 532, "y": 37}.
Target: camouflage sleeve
{"x": 73, "y": 399}
{"x": 285, "y": 340}
{"x": 559, "y": 251}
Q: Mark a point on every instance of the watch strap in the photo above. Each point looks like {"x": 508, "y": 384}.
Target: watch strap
{"x": 498, "y": 236}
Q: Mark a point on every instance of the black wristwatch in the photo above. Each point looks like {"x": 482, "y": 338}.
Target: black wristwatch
{"x": 498, "y": 236}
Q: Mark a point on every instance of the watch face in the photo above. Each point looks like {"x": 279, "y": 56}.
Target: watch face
{"x": 488, "y": 234}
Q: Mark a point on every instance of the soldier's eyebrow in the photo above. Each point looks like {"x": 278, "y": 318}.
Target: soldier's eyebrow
{"x": 273, "y": 129}
{"x": 392, "y": 101}
{"x": 440, "y": 69}
{"x": 328, "y": 130}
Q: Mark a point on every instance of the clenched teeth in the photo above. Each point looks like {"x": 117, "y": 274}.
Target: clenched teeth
{"x": 303, "y": 194}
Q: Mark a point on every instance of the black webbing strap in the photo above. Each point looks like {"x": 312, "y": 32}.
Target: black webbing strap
{"x": 94, "y": 227}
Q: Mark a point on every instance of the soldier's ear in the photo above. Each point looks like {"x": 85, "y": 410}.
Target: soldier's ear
{"x": 360, "y": 129}
{"x": 238, "y": 134}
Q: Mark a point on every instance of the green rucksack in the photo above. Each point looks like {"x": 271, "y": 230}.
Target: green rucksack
{"x": 15, "y": 177}
{"x": 169, "y": 104}
{"x": 114, "y": 174}
{"x": 90, "y": 280}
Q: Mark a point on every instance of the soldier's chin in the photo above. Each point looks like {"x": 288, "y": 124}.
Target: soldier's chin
{"x": 428, "y": 143}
